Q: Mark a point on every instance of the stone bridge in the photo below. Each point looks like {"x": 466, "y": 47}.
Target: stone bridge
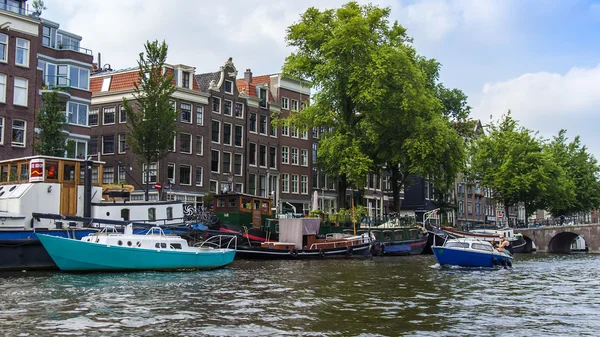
{"x": 558, "y": 239}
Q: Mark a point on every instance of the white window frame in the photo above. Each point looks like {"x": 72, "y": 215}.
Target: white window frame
{"x": 285, "y": 130}
{"x": 218, "y": 161}
{"x": 231, "y": 131}
{"x": 191, "y": 108}
{"x": 2, "y": 128}
{"x": 218, "y": 111}
{"x": 295, "y": 156}
{"x": 26, "y": 88}
{"x": 169, "y": 165}
{"x": 234, "y": 129}
{"x": 266, "y": 157}
{"x": 255, "y": 123}
{"x": 212, "y": 131}
{"x": 191, "y": 144}
{"x": 294, "y": 106}
{"x": 3, "y": 87}
{"x": 94, "y": 112}
{"x": 294, "y": 133}
{"x": 122, "y": 115}
{"x": 304, "y": 157}
{"x": 222, "y": 166}
{"x": 189, "y": 175}
{"x": 124, "y": 138}
{"x": 241, "y": 164}
{"x": 285, "y": 155}
{"x": 231, "y": 107}
{"x": 304, "y": 184}
{"x": 78, "y": 105}
{"x": 295, "y": 184}
{"x": 241, "y": 115}
{"x": 255, "y": 154}
{"x": 285, "y": 103}
{"x": 225, "y": 86}
{"x": 114, "y": 112}
{"x": 200, "y": 149}
{"x": 4, "y": 41}
{"x": 216, "y": 185}
{"x": 201, "y": 176}
{"x": 285, "y": 183}
{"x": 114, "y": 145}
{"x": 26, "y": 46}
{"x": 24, "y": 129}
{"x": 153, "y": 167}
{"x": 200, "y": 112}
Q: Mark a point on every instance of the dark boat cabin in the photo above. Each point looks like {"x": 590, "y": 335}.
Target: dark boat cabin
{"x": 242, "y": 209}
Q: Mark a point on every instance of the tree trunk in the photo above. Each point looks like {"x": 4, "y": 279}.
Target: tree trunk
{"x": 341, "y": 197}
{"x": 146, "y": 196}
{"x": 396, "y": 187}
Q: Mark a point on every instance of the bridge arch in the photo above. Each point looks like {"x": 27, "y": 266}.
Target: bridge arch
{"x": 558, "y": 239}
{"x": 562, "y": 242}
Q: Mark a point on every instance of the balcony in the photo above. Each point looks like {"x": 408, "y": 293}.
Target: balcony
{"x": 73, "y": 47}
{"x": 60, "y": 84}
{"x": 19, "y": 10}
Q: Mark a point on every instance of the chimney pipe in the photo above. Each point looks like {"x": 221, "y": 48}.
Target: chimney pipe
{"x": 248, "y": 75}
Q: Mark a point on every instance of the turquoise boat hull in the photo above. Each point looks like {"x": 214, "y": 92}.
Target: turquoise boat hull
{"x": 76, "y": 255}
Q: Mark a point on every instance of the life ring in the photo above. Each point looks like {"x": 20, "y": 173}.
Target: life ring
{"x": 348, "y": 251}
{"x": 321, "y": 253}
{"x": 294, "y": 252}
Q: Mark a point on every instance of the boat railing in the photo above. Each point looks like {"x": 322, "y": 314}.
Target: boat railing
{"x": 219, "y": 241}
{"x": 155, "y": 231}
{"x": 339, "y": 243}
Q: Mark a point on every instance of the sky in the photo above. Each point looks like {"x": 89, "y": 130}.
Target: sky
{"x": 538, "y": 58}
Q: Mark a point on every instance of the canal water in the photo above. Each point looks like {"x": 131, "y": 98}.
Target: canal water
{"x": 543, "y": 295}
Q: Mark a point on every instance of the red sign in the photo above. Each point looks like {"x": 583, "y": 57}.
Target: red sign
{"x": 157, "y": 186}
{"x": 36, "y": 170}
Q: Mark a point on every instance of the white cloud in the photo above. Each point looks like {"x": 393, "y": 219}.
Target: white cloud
{"x": 548, "y": 102}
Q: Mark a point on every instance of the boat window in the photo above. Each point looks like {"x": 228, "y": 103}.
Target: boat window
{"x": 220, "y": 203}
{"x": 157, "y": 245}
{"x": 3, "y": 173}
{"x": 256, "y": 204}
{"x": 169, "y": 213}
{"x": 51, "y": 170}
{"x": 456, "y": 245}
{"x": 163, "y": 245}
{"x": 69, "y": 172}
{"x": 120, "y": 243}
{"x": 13, "y": 173}
{"x": 232, "y": 202}
{"x": 137, "y": 244}
{"x": 265, "y": 206}
{"x": 246, "y": 203}
{"x": 483, "y": 247}
{"x": 129, "y": 243}
{"x": 24, "y": 172}
{"x": 125, "y": 214}
{"x": 176, "y": 246}
{"x": 152, "y": 214}
{"x": 12, "y": 188}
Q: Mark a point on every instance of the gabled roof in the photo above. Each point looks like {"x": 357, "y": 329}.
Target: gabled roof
{"x": 203, "y": 80}
{"x": 251, "y": 87}
{"x": 120, "y": 80}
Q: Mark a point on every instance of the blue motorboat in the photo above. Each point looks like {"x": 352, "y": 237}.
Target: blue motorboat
{"x": 113, "y": 251}
{"x": 469, "y": 252}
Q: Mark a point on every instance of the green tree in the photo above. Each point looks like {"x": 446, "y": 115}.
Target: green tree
{"x": 365, "y": 73}
{"x": 38, "y": 7}
{"x": 511, "y": 160}
{"x": 582, "y": 171}
{"x": 152, "y": 123}
{"x": 51, "y": 121}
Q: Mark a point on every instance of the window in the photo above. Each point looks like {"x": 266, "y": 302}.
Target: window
{"x": 173, "y": 146}
{"x": 151, "y": 171}
{"x": 185, "y": 175}
{"x": 77, "y": 113}
{"x": 294, "y": 133}
{"x": 108, "y": 144}
{"x": 228, "y": 87}
{"x": 80, "y": 77}
{"x": 106, "y": 83}
{"x": 262, "y": 186}
{"x": 304, "y": 185}
{"x": 239, "y": 110}
{"x": 226, "y": 162}
{"x": 252, "y": 154}
{"x": 315, "y": 132}
{"x": 252, "y": 184}
{"x": 239, "y": 188}
{"x": 216, "y": 131}
{"x": 263, "y": 156}
{"x": 214, "y": 161}
{"x": 285, "y": 183}
{"x": 239, "y": 131}
{"x": 226, "y": 133}
{"x": 237, "y": 164}
{"x": 294, "y": 156}
{"x": 216, "y": 105}
{"x": 285, "y": 103}
{"x": 122, "y": 115}
{"x": 199, "y": 145}
{"x": 285, "y": 130}
{"x": 18, "y": 133}
{"x": 152, "y": 216}
{"x": 272, "y": 157}
{"x": 294, "y": 183}
{"x": 285, "y": 155}
{"x": 20, "y": 94}
{"x": 262, "y": 94}
{"x": 22, "y": 54}
{"x": 227, "y": 108}
{"x": 185, "y": 143}
{"x": 304, "y": 157}
{"x": 252, "y": 122}
{"x": 122, "y": 146}
{"x": 3, "y": 47}
{"x": 304, "y": 134}
{"x": 273, "y": 129}
{"x": 108, "y": 175}
{"x": 199, "y": 172}
{"x": 186, "y": 112}
{"x": 200, "y": 115}
{"x": 214, "y": 185}
{"x": 93, "y": 146}
{"x": 108, "y": 116}
{"x": 2, "y": 88}
{"x": 263, "y": 125}
{"x": 171, "y": 172}
{"x": 294, "y": 105}
{"x": 93, "y": 117}
{"x": 185, "y": 80}
{"x": 469, "y": 207}
{"x": 1, "y": 130}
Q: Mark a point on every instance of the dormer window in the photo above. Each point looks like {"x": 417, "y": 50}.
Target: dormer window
{"x": 228, "y": 87}
{"x": 185, "y": 80}
{"x": 262, "y": 94}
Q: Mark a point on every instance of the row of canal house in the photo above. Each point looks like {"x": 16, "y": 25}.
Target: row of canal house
{"x": 226, "y": 140}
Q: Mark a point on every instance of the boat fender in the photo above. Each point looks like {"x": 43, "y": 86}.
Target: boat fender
{"x": 503, "y": 263}
{"x": 321, "y": 253}
{"x": 508, "y": 263}
{"x": 293, "y": 252}
{"x": 495, "y": 261}
{"x": 348, "y": 251}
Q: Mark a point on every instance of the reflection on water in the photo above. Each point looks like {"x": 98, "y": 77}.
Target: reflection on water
{"x": 542, "y": 295}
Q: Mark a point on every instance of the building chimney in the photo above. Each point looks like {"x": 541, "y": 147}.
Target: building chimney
{"x": 248, "y": 75}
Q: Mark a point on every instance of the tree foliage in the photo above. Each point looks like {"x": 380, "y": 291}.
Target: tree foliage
{"x": 512, "y": 161}
{"x": 151, "y": 118}
{"x": 375, "y": 94}
{"x": 581, "y": 170}
{"x": 51, "y": 120}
